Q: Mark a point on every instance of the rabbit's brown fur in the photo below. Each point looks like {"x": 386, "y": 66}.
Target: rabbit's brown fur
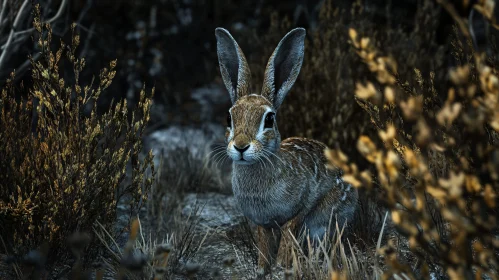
{"x": 277, "y": 183}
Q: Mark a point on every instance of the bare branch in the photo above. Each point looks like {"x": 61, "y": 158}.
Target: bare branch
{"x": 16, "y": 37}
{"x": 12, "y": 31}
{"x": 54, "y": 18}
{"x": 2, "y": 13}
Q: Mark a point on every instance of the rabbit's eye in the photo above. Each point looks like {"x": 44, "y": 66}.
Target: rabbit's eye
{"x": 269, "y": 120}
{"x": 229, "y": 120}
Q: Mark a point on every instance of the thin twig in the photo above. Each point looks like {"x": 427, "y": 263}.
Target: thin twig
{"x": 20, "y": 70}
{"x": 54, "y": 18}
{"x": 2, "y": 13}
{"x": 238, "y": 258}
{"x": 12, "y": 31}
{"x": 16, "y": 268}
{"x": 102, "y": 238}
{"x": 84, "y": 11}
{"x": 87, "y": 41}
{"x": 17, "y": 40}
{"x": 378, "y": 245}
{"x": 455, "y": 15}
{"x": 13, "y": 34}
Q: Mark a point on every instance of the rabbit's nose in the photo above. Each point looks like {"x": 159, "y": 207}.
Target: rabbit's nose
{"x": 241, "y": 150}
{"x": 241, "y": 143}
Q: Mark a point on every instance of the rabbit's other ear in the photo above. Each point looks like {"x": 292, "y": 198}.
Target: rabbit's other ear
{"x": 284, "y": 66}
{"x": 233, "y": 66}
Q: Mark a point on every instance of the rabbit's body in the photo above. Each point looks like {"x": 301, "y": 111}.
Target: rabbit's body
{"x": 299, "y": 185}
{"x": 277, "y": 183}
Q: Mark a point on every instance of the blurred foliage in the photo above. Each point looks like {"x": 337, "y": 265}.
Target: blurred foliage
{"x": 434, "y": 163}
{"x": 63, "y": 165}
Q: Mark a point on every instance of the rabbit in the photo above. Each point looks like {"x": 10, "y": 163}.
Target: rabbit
{"x": 277, "y": 183}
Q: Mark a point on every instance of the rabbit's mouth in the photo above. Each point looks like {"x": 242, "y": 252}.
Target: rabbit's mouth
{"x": 244, "y": 156}
{"x": 243, "y": 160}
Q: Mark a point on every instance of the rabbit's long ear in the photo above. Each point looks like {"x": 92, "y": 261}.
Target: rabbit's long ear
{"x": 284, "y": 66}
{"x": 233, "y": 66}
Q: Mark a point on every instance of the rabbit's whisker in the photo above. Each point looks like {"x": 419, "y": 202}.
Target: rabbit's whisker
{"x": 216, "y": 149}
{"x": 273, "y": 154}
{"x": 264, "y": 154}
{"x": 219, "y": 157}
{"x": 260, "y": 160}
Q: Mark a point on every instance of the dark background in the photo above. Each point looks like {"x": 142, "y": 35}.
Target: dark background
{"x": 170, "y": 44}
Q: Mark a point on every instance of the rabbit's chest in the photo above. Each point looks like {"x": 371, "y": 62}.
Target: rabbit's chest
{"x": 265, "y": 205}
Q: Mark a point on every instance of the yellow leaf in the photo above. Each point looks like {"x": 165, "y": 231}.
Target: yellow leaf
{"x": 365, "y": 92}
{"x": 351, "y": 180}
{"x": 353, "y": 34}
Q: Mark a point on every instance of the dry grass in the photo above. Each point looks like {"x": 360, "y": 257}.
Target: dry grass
{"x": 181, "y": 172}
{"x": 148, "y": 256}
{"x": 332, "y": 258}
{"x": 167, "y": 240}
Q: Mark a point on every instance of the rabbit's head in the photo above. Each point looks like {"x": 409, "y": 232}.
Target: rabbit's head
{"x": 252, "y": 133}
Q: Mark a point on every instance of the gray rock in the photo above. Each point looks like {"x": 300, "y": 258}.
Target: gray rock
{"x": 197, "y": 141}
{"x": 215, "y": 210}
